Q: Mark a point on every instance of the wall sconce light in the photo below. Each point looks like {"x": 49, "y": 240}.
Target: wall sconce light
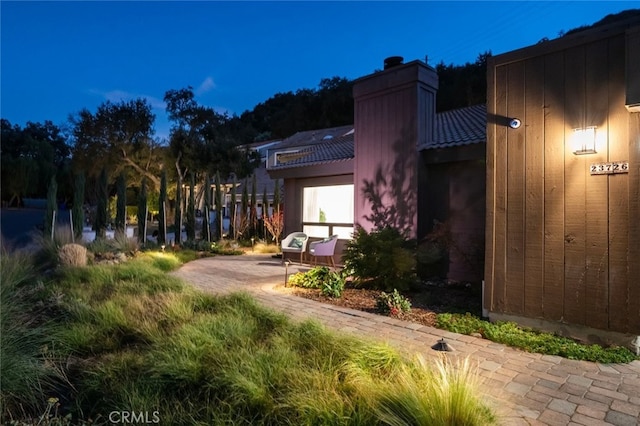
{"x": 584, "y": 140}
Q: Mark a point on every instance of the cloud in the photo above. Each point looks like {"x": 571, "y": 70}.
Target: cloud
{"x": 122, "y": 95}
{"x": 205, "y": 86}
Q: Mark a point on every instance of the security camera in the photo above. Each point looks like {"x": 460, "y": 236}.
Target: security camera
{"x": 514, "y": 123}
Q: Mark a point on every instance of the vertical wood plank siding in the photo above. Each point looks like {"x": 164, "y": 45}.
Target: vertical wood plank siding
{"x": 596, "y": 307}
{"x": 561, "y": 244}
{"x": 576, "y": 175}
{"x": 553, "y": 200}
{"x": 500, "y": 194}
{"x": 534, "y": 188}
{"x": 621, "y": 281}
{"x": 515, "y": 192}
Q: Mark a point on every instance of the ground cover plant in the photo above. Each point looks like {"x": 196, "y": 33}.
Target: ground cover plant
{"x": 456, "y": 307}
{"x": 530, "y": 340}
{"x": 132, "y": 337}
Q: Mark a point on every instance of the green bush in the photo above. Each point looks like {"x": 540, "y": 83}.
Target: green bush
{"x": 382, "y": 259}
{"x": 393, "y": 304}
{"x": 509, "y": 333}
{"x": 330, "y": 283}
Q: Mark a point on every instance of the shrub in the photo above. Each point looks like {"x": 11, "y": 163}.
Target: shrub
{"x": 125, "y": 244}
{"x": 333, "y": 285}
{"x": 382, "y": 259}
{"x": 330, "y": 283}
{"x": 393, "y": 304}
{"x": 72, "y": 255}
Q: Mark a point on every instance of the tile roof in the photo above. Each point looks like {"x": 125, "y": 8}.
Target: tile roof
{"x": 328, "y": 151}
{"x": 463, "y": 126}
{"x": 313, "y": 136}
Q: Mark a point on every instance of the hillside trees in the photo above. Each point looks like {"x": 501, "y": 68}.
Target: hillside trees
{"x": 30, "y": 156}
{"x": 284, "y": 114}
{"x": 462, "y": 85}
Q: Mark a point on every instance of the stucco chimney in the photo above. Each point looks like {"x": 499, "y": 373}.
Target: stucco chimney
{"x": 394, "y": 113}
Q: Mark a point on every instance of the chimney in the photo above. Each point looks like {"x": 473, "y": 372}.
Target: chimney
{"x": 393, "y": 61}
{"x": 394, "y": 114}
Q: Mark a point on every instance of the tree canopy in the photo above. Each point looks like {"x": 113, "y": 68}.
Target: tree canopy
{"x": 118, "y": 136}
{"x": 30, "y": 156}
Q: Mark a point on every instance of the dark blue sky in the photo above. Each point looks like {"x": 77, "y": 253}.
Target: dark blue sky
{"x": 59, "y": 57}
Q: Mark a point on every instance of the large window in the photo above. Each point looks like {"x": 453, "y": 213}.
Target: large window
{"x": 328, "y": 210}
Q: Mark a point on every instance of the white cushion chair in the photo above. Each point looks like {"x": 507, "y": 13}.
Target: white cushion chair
{"x": 296, "y": 242}
{"x": 324, "y": 248}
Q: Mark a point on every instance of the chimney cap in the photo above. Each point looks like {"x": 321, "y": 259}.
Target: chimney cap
{"x": 393, "y": 61}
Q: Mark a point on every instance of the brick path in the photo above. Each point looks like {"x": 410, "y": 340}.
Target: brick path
{"x": 523, "y": 388}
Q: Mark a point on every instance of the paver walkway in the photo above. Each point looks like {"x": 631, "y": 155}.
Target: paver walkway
{"x": 524, "y": 388}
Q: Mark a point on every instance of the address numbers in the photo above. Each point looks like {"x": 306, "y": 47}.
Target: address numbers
{"x": 609, "y": 168}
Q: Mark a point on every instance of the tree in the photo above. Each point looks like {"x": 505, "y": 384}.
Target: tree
{"x": 253, "y": 213}
{"x": 162, "y": 210}
{"x": 191, "y": 212}
{"x": 78, "y": 206}
{"x": 202, "y": 140}
{"x": 265, "y": 210}
{"x": 29, "y": 157}
{"x": 100, "y": 224}
{"x": 275, "y": 226}
{"x": 118, "y": 135}
{"x": 243, "y": 220}
{"x": 276, "y": 196}
{"x": 121, "y": 209}
{"x": 52, "y": 207}
{"x": 218, "y": 201}
{"x": 234, "y": 212}
{"x": 178, "y": 215}
{"x": 206, "y": 231}
{"x": 462, "y": 85}
{"x": 142, "y": 213}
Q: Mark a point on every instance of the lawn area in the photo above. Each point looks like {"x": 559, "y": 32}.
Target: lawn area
{"x": 131, "y": 338}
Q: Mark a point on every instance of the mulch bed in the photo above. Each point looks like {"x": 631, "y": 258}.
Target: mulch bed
{"x": 430, "y": 299}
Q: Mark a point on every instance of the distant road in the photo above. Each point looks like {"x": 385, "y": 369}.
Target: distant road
{"x": 18, "y": 224}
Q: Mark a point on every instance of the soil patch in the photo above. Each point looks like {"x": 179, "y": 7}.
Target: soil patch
{"x": 428, "y": 300}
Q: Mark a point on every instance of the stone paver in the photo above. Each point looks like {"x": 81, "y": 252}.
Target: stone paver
{"x": 524, "y": 388}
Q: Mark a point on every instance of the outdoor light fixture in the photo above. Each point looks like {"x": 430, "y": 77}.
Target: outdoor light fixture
{"x": 286, "y": 271}
{"x": 515, "y": 123}
{"x": 584, "y": 140}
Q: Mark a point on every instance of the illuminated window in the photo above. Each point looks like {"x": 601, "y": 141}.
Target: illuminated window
{"x": 328, "y": 210}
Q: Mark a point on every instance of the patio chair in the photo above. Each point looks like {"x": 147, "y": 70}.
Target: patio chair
{"x": 295, "y": 242}
{"x": 324, "y": 248}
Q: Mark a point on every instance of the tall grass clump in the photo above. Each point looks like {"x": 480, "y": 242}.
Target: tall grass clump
{"x": 25, "y": 370}
{"x": 47, "y": 254}
{"x": 441, "y": 394}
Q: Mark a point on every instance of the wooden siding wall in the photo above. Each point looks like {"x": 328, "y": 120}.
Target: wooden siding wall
{"x": 456, "y": 194}
{"x": 563, "y": 245}
{"x": 394, "y": 112}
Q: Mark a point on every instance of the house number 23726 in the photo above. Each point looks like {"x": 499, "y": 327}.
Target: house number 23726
{"x": 609, "y": 168}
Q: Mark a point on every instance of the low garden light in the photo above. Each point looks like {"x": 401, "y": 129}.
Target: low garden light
{"x": 162, "y": 246}
{"x": 584, "y": 140}
{"x": 286, "y": 271}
